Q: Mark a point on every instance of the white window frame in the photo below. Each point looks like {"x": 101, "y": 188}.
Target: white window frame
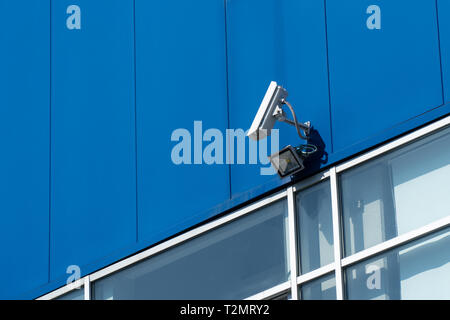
{"x": 296, "y": 280}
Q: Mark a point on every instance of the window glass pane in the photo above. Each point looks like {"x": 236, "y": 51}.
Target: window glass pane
{"x": 235, "y": 261}
{"x": 396, "y": 193}
{"x": 77, "y": 294}
{"x": 417, "y": 271}
{"x": 283, "y": 296}
{"x": 315, "y": 227}
{"x": 323, "y": 288}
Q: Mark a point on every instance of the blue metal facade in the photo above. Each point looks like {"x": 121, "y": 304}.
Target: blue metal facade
{"x": 86, "y": 115}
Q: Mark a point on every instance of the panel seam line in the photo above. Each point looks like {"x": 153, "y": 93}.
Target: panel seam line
{"x": 135, "y": 118}
{"x": 228, "y": 90}
{"x": 328, "y": 74}
{"x": 440, "y": 52}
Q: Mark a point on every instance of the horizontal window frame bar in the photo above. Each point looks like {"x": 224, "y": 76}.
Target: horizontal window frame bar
{"x": 396, "y": 242}
{"x": 317, "y": 273}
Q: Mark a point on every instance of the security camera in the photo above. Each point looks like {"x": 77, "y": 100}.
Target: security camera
{"x": 289, "y": 160}
{"x": 271, "y": 111}
{"x": 265, "y": 119}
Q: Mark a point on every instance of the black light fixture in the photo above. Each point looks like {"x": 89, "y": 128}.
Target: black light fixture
{"x": 289, "y": 160}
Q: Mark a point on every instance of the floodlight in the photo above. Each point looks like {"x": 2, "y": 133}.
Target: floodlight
{"x": 271, "y": 111}
{"x": 289, "y": 160}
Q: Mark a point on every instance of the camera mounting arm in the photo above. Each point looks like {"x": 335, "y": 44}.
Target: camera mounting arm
{"x": 280, "y": 115}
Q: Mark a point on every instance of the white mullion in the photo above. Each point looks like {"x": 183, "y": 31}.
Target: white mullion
{"x": 336, "y": 233}
{"x": 336, "y": 218}
{"x": 87, "y": 288}
{"x": 309, "y": 182}
{"x": 292, "y": 242}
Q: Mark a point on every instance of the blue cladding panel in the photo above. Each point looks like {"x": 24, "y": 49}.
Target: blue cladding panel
{"x": 444, "y": 27}
{"x": 380, "y": 78}
{"x": 284, "y": 41}
{"x": 93, "y": 203}
{"x": 24, "y": 145}
{"x": 181, "y": 77}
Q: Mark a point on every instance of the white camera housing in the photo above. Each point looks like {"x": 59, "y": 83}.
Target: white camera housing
{"x": 265, "y": 117}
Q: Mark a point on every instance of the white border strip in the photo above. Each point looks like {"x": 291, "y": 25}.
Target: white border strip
{"x": 76, "y": 285}
{"x": 397, "y": 241}
{"x": 395, "y": 144}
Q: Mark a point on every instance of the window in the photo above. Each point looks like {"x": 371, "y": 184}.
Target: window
{"x": 323, "y": 288}
{"x": 419, "y": 270}
{"x": 77, "y": 294}
{"x": 315, "y": 227}
{"x": 235, "y": 261}
{"x": 397, "y": 193}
